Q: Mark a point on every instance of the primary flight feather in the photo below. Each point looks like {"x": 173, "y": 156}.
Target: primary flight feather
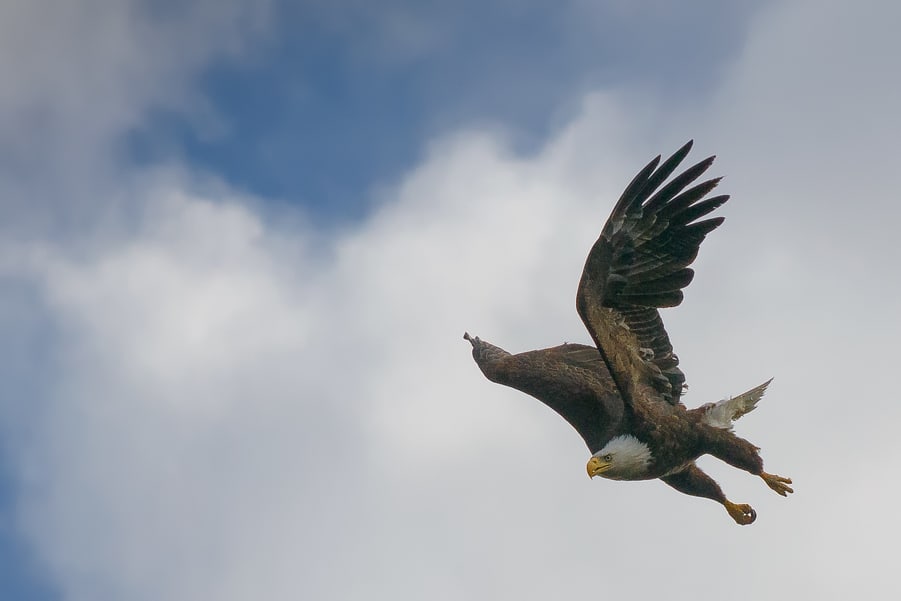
{"x": 623, "y": 394}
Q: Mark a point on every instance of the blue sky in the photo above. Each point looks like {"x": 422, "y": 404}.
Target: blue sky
{"x": 241, "y": 241}
{"x": 337, "y": 99}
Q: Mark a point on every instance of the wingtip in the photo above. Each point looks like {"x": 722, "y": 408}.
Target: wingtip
{"x": 708, "y": 162}
{"x": 667, "y": 168}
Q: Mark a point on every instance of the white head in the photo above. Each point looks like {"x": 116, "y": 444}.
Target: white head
{"x": 623, "y": 458}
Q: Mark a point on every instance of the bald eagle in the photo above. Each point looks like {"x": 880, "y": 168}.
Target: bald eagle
{"x": 622, "y": 395}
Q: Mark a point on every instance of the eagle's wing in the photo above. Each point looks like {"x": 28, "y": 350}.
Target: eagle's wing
{"x": 571, "y": 379}
{"x": 639, "y": 264}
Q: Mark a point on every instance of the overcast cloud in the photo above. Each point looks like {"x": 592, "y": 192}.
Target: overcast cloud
{"x": 216, "y": 402}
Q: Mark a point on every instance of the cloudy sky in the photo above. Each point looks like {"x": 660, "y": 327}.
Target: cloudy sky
{"x": 241, "y": 240}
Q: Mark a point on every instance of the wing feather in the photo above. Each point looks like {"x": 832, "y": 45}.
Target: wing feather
{"x": 571, "y": 379}
{"x": 639, "y": 264}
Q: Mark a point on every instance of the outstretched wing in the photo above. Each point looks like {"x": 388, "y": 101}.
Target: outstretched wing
{"x": 571, "y": 379}
{"x": 639, "y": 264}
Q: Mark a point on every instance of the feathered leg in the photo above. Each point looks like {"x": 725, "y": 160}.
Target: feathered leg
{"x": 740, "y": 453}
{"x": 692, "y": 481}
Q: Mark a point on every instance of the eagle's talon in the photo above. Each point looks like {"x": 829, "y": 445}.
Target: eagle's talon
{"x": 778, "y": 483}
{"x": 742, "y": 513}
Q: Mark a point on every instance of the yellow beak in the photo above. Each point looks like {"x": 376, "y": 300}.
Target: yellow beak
{"x": 596, "y": 466}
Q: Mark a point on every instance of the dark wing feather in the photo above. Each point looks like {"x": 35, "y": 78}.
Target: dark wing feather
{"x": 640, "y": 264}
{"x": 571, "y": 379}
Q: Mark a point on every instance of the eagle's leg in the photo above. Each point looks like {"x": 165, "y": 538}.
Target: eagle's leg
{"x": 692, "y": 481}
{"x": 740, "y": 453}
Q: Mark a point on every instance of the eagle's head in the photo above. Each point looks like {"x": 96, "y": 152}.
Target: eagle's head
{"x": 623, "y": 458}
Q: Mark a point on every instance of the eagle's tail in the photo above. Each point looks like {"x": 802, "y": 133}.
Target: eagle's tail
{"x": 723, "y": 413}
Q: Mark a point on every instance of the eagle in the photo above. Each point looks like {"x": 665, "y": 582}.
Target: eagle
{"x": 623, "y": 394}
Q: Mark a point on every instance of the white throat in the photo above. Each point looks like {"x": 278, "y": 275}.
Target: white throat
{"x": 629, "y": 458}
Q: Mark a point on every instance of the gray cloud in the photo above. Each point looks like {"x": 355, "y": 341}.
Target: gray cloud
{"x": 233, "y": 413}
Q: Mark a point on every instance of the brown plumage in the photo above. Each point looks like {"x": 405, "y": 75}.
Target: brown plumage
{"x": 623, "y": 394}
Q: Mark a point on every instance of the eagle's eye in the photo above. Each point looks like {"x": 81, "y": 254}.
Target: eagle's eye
{"x": 607, "y": 458}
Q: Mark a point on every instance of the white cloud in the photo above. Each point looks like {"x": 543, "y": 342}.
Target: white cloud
{"x": 219, "y": 426}
{"x": 78, "y": 77}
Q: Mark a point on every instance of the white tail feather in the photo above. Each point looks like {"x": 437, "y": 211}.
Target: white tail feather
{"x": 723, "y": 413}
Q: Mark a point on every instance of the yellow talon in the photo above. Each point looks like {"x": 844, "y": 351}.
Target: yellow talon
{"x": 742, "y": 513}
{"x": 778, "y": 483}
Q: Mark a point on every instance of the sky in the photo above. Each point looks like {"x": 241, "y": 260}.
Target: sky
{"x": 241, "y": 242}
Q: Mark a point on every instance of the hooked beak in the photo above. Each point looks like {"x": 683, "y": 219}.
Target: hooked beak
{"x": 596, "y": 467}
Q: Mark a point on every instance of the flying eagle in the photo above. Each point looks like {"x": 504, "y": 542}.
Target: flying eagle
{"x": 623, "y": 394}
